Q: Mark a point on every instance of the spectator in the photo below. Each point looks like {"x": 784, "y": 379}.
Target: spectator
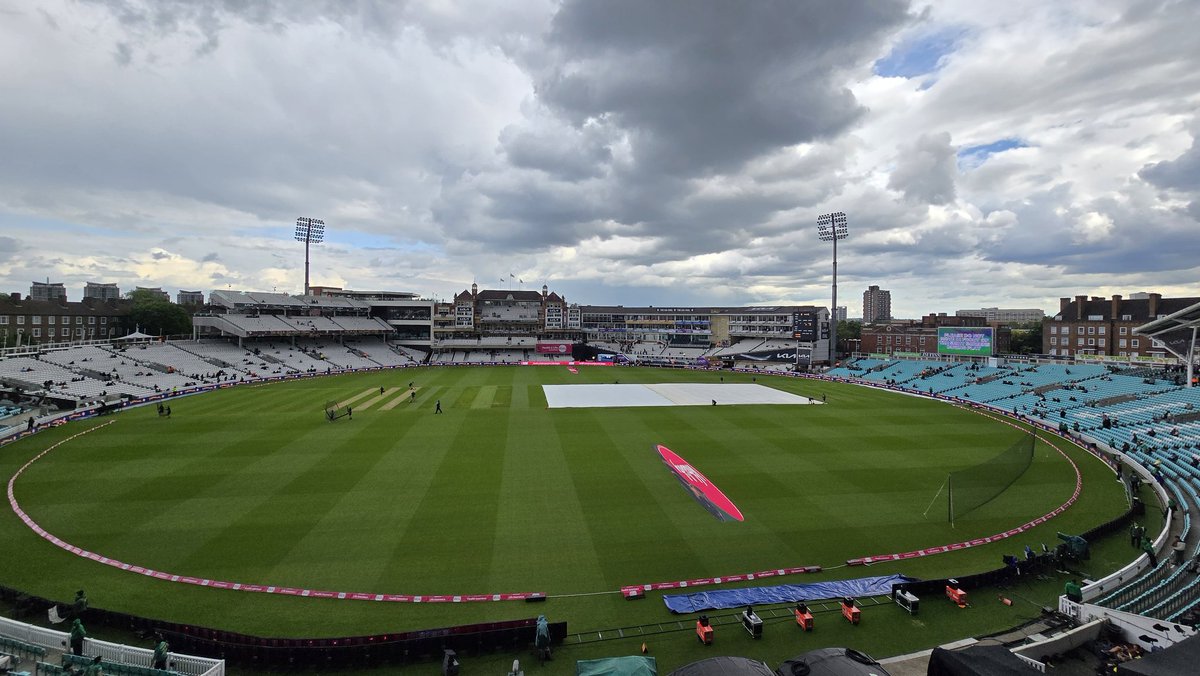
{"x": 1073, "y": 591}
{"x": 160, "y": 652}
{"x": 78, "y": 633}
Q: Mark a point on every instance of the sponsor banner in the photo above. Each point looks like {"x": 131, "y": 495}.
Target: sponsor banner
{"x": 699, "y": 582}
{"x": 788, "y": 356}
{"x": 554, "y": 348}
{"x": 566, "y": 363}
{"x": 704, "y": 491}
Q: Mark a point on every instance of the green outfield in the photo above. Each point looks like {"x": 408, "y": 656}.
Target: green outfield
{"x": 500, "y": 494}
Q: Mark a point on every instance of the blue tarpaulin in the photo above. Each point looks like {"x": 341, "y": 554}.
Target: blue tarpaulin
{"x": 696, "y": 602}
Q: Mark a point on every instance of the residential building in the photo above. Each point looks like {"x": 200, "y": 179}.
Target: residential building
{"x": 26, "y": 321}
{"x": 101, "y": 291}
{"x": 156, "y": 292}
{"x": 877, "y": 305}
{"x": 47, "y": 292}
{"x": 189, "y": 297}
{"x": 1098, "y": 326}
{"x": 995, "y": 315}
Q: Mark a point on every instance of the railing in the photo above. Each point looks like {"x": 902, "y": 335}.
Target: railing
{"x": 112, "y": 652}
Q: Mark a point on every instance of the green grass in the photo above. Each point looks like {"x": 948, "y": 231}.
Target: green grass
{"x": 501, "y": 494}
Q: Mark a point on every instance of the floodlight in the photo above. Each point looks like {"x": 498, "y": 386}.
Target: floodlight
{"x": 309, "y": 231}
{"x": 831, "y": 228}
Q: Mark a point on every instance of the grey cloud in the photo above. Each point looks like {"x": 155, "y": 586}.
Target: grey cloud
{"x": 705, "y": 86}
{"x": 558, "y": 150}
{"x": 9, "y": 246}
{"x": 926, "y": 169}
{"x": 1181, "y": 173}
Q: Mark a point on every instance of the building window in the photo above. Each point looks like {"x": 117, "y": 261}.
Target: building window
{"x": 1124, "y": 330}
{"x": 1079, "y": 330}
{"x": 1133, "y": 343}
{"x": 79, "y": 319}
{"x": 1079, "y": 342}
{"x": 1053, "y": 330}
{"x": 4, "y": 320}
{"x": 104, "y": 331}
{"x": 50, "y": 319}
{"x": 1126, "y": 318}
{"x": 1100, "y": 342}
{"x": 103, "y": 321}
{"x": 35, "y": 319}
{"x": 1053, "y": 340}
{"x": 1121, "y": 342}
{"x": 20, "y": 319}
{"x": 1124, "y": 354}
{"x": 1091, "y": 330}
{"x": 1091, "y": 341}
{"x": 1100, "y": 330}
{"x": 37, "y": 332}
{"x": 50, "y": 332}
{"x": 91, "y": 320}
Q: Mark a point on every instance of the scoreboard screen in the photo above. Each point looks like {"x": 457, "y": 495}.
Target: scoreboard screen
{"x": 972, "y": 341}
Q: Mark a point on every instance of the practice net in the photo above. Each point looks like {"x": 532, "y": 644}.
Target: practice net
{"x": 976, "y": 486}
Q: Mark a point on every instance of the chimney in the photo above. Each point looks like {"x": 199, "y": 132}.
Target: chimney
{"x": 1063, "y": 303}
{"x": 1154, "y": 300}
{"x": 1116, "y": 308}
{"x": 1080, "y": 301}
{"x": 15, "y": 297}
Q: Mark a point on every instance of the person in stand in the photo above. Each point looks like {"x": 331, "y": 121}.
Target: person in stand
{"x": 438, "y": 406}
{"x": 95, "y": 668}
{"x": 1179, "y": 549}
{"x": 160, "y": 652}
{"x": 1148, "y": 548}
{"x": 29, "y": 424}
{"x": 1073, "y": 591}
{"x": 78, "y": 633}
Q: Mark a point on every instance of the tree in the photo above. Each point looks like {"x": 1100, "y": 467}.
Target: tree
{"x": 848, "y": 330}
{"x": 1026, "y": 339}
{"x": 156, "y": 315}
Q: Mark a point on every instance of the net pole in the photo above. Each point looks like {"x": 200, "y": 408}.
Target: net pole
{"x": 950, "y": 499}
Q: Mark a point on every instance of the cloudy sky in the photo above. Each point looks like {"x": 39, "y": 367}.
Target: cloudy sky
{"x": 669, "y": 153}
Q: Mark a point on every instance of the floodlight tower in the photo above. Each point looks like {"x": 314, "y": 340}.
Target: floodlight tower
{"x": 831, "y": 228}
{"x": 309, "y": 231}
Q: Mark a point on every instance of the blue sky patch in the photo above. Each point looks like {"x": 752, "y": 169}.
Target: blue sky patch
{"x": 919, "y": 54}
{"x": 973, "y": 156}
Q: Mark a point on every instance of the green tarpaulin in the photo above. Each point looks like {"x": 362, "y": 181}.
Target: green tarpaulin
{"x": 617, "y": 666}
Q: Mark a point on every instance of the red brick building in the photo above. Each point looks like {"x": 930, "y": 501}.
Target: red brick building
{"x": 1104, "y": 326}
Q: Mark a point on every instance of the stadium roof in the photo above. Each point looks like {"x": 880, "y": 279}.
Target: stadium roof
{"x": 1176, "y": 331}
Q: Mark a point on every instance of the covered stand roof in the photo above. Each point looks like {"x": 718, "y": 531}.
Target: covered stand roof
{"x": 1175, "y": 331}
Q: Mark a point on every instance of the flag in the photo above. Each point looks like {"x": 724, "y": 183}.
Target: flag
{"x": 512, "y": 276}
{"x": 520, "y": 281}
